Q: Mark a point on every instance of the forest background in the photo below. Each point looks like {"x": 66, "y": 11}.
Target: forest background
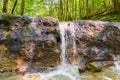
{"x": 64, "y": 10}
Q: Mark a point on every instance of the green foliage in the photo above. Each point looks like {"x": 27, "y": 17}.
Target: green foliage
{"x": 36, "y": 7}
{"x": 110, "y": 17}
{"x": 1, "y": 6}
{"x": 61, "y": 9}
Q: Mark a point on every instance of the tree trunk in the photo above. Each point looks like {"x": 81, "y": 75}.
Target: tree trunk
{"x": 51, "y": 8}
{"x": 5, "y": 6}
{"x": 66, "y": 10}
{"x": 75, "y": 9}
{"x": 92, "y": 7}
{"x": 87, "y": 8}
{"x": 116, "y": 5}
{"x": 22, "y": 7}
{"x": 61, "y": 10}
{"x": 15, "y": 3}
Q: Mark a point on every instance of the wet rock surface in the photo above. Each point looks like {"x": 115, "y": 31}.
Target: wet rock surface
{"x": 37, "y": 41}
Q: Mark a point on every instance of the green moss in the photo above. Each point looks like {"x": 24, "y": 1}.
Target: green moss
{"x": 7, "y": 19}
{"x": 6, "y": 64}
{"x": 110, "y": 17}
{"x": 3, "y": 50}
{"x": 10, "y": 76}
{"x": 94, "y": 67}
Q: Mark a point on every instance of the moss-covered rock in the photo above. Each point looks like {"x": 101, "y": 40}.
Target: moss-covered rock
{"x": 94, "y": 67}
{"x": 49, "y": 21}
{"x": 6, "y": 63}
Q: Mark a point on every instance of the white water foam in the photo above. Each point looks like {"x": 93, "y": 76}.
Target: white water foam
{"x": 116, "y": 68}
{"x": 106, "y": 78}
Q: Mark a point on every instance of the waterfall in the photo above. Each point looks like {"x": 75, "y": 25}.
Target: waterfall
{"x": 72, "y": 31}
{"x": 66, "y": 71}
{"x": 63, "y": 43}
{"x": 65, "y": 37}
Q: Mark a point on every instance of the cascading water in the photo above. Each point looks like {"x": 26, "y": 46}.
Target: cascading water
{"x": 64, "y": 71}
{"x": 72, "y": 31}
{"x": 67, "y": 31}
{"x": 63, "y": 44}
{"x": 35, "y": 45}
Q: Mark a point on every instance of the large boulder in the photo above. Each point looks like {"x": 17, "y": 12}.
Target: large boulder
{"x": 98, "y": 43}
{"x": 110, "y": 36}
{"x": 31, "y": 39}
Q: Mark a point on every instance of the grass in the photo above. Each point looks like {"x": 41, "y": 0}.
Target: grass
{"x": 110, "y": 18}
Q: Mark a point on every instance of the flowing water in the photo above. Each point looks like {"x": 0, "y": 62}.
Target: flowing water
{"x": 66, "y": 71}
{"x": 63, "y": 44}
{"x": 72, "y": 31}
{"x": 116, "y": 67}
